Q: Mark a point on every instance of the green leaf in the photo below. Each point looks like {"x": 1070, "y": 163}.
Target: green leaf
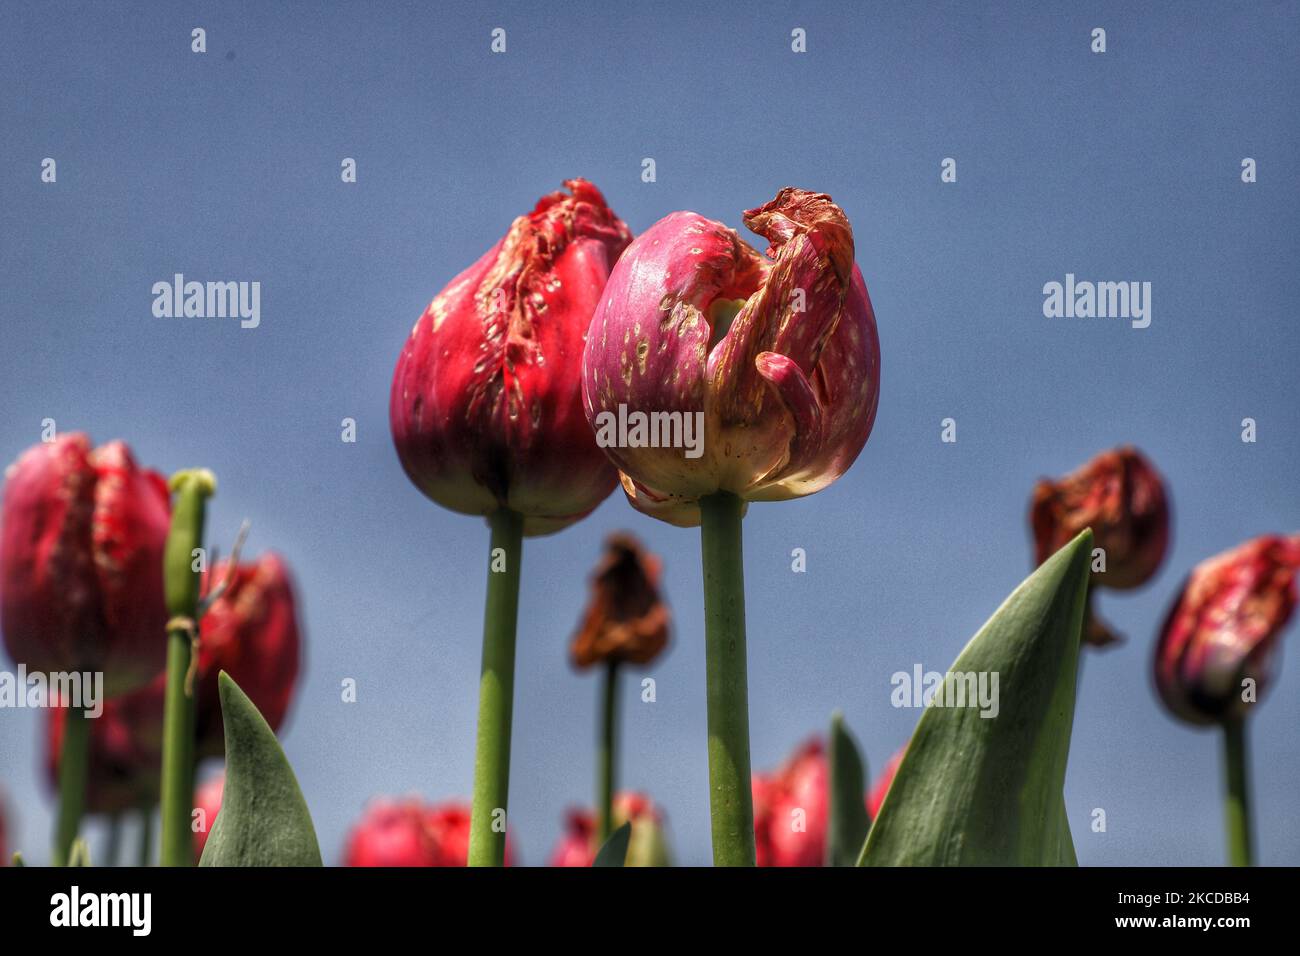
{"x": 614, "y": 852}
{"x": 848, "y": 823}
{"x": 264, "y": 819}
{"x": 990, "y": 791}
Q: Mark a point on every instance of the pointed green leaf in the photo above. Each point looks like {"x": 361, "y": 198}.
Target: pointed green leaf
{"x": 990, "y": 791}
{"x": 264, "y": 819}
{"x": 614, "y": 852}
{"x": 848, "y": 822}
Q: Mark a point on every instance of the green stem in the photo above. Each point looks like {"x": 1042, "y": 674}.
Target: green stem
{"x": 487, "y": 835}
{"x": 607, "y": 757}
{"x": 1237, "y": 800}
{"x": 146, "y": 835}
{"x": 731, "y": 801}
{"x": 74, "y": 766}
{"x": 181, "y": 582}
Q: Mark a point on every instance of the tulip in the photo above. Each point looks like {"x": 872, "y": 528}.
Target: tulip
{"x": 626, "y": 622}
{"x": 486, "y": 415}
{"x": 647, "y": 845}
{"x": 1121, "y": 497}
{"x": 775, "y": 362}
{"x": 81, "y": 542}
{"x": 880, "y": 789}
{"x": 410, "y": 833}
{"x": 792, "y": 810}
{"x": 1216, "y": 650}
{"x": 125, "y": 752}
{"x": 207, "y": 800}
{"x": 251, "y": 632}
{"x": 80, "y": 562}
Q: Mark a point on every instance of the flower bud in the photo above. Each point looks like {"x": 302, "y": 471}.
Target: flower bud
{"x": 1224, "y": 629}
{"x": 1121, "y": 497}
{"x": 647, "y": 845}
{"x": 776, "y": 360}
{"x": 410, "y": 833}
{"x": 486, "y": 408}
{"x": 626, "y": 620}
{"x": 81, "y": 542}
{"x": 251, "y": 633}
{"x": 207, "y": 800}
{"x": 125, "y": 751}
{"x": 792, "y": 810}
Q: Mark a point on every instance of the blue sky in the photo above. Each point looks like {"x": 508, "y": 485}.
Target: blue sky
{"x": 1118, "y": 166}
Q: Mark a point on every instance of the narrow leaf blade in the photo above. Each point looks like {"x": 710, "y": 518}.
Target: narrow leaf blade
{"x": 848, "y": 812}
{"x": 264, "y": 819}
{"x": 614, "y": 852}
{"x": 989, "y": 791}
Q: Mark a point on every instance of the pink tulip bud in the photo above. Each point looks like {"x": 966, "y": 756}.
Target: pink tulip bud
{"x": 81, "y": 542}
{"x": 207, "y": 798}
{"x": 772, "y": 361}
{"x": 486, "y": 408}
{"x": 251, "y": 633}
{"x": 1217, "y": 645}
{"x": 647, "y": 845}
{"x": 792, "y": 810}
{"x": 410, "y": 833}
{"x": 125, "y": 751}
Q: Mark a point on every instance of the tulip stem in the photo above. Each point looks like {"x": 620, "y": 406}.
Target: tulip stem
{"x": 74, "y": 764}
{"x": 1237, "y": 800}
{"x": 487, "y": 835}
{"x": 607, "y": 762}
{"x": 731, "y": 801}
{"x": 181, "y": 581}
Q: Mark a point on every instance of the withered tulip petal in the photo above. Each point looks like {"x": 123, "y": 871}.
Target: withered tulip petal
{"x": 778, "y": 357}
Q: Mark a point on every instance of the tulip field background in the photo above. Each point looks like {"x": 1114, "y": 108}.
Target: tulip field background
{"x": 1118, "y": 166}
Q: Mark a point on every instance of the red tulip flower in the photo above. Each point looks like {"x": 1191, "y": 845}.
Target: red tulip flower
{"x": 486, "y": 405}
{"x": 207, "y": 798}
{"x": 1121, "y": 497}
{"x": 778, "y": 354}
{"x": 577, "y": 846}
{"x": 410, "y": 833}
{"x": 125, "y": 751}
{"x": 251, "y": 633}
{"x": 1216, "y": 651}
{"x": 792, "y": 810}
{"x": 1224, "y": 630}
{"x": 81, "y": 543}
{"x": 646, "y": 844}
